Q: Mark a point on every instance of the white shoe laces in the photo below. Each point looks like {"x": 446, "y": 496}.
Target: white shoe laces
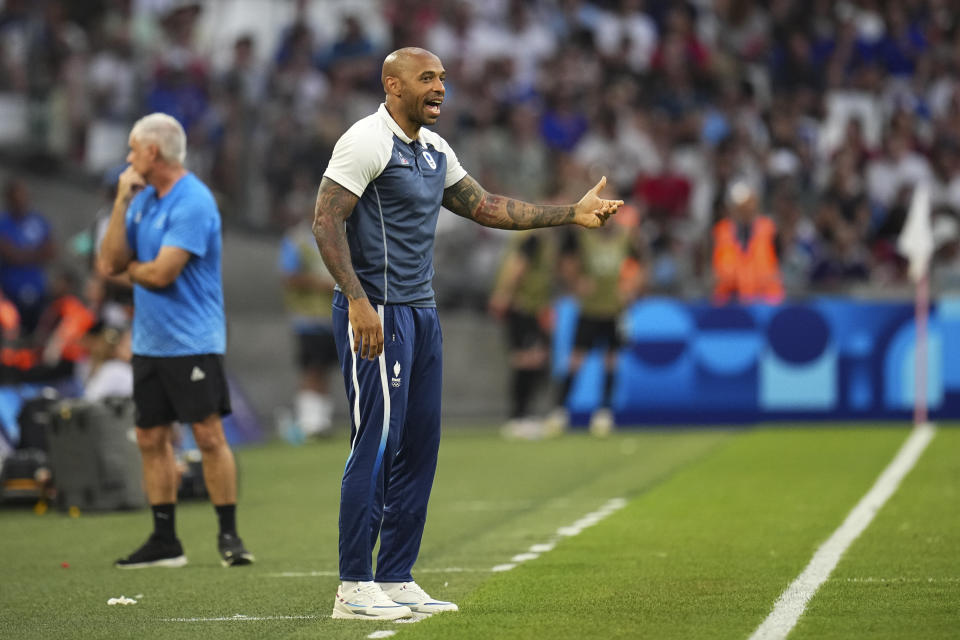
{"x": 413, "y": 591}
{"x": 373, "y": 591}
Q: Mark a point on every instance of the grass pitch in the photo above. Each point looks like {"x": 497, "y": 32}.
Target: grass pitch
{"x": 716, "y": 525}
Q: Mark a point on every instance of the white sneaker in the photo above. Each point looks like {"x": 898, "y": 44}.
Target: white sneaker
{"x": 556, "y": 422}
{"x": 367, "y": 601}
{"x": 601, "y": 422}
{"x": 522, "y": 429}
{"x": 411, "y": 595}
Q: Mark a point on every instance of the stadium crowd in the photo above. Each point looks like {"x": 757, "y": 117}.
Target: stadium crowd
{"x": 832, "y": 111}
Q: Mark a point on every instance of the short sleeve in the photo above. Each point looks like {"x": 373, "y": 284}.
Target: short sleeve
{"x": 358, "y": 157}
{"x": 188, "y": 226}
{"x": 455, "y": 172}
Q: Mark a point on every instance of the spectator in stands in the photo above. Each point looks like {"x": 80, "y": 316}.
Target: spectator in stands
{"x": 843, "y": 260}
{"x": 27, "y": 246}
{"x": 15, "y": 355}
{"x": 823, "y": 80}
{"x": 63, "y": 326}
{"x": 618, "y": 149}
{"x": 353, "y": 46}
{"x": 564, "y": 122}
{"x": 110, "y": 373}
{"x": 745, "y": 264}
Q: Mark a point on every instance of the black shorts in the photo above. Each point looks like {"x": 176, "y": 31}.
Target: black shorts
{"x": 524, "y": 331}
{"x": 184, "y": 389}
{"x": 597, "y": 332}
{"x": 316, "y": 349}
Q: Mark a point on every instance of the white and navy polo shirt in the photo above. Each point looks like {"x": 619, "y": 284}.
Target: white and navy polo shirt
{"x": 400, "y": 184}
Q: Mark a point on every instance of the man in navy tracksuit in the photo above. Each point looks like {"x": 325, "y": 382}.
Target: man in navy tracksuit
{"x": 376, "y": 217}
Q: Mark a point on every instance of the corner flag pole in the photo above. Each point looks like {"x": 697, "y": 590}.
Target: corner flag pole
{"x": 916, "y": 244}
{"x": 921, "y": 314}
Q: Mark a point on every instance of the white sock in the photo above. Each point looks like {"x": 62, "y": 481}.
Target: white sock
{"x": 348, "y": 585}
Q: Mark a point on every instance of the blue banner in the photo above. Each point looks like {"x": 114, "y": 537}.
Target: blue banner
{"x": 829, "y": 358}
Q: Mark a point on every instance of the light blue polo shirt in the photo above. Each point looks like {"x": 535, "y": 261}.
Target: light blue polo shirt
{"x": 400, "y": 183}
{"x": 186, "y": 317}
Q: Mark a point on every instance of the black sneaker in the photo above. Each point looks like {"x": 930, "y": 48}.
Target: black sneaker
{"x": 232, "y": 551}
{"x": 155, "y": 552}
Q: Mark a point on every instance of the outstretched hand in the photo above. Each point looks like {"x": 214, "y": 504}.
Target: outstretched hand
{"x": 592, "y": 211}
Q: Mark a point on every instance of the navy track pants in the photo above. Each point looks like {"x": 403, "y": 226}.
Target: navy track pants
{"x": 395, "y": 436}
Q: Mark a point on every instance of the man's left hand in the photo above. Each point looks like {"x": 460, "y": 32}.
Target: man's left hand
{"x": 592, "y": 211}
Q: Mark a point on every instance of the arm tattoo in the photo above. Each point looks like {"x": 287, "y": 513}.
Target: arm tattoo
{"x": 334, "y": 206}
{"x": 468, "y": 199}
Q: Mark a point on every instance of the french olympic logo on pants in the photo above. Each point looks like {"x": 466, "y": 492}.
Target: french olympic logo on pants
{"x": 396, "y": 380}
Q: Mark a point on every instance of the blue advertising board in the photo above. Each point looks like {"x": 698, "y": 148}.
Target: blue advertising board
{"x": 825, "y": 358}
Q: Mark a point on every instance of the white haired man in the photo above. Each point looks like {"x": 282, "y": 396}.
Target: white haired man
{"x": 164, "y": 233}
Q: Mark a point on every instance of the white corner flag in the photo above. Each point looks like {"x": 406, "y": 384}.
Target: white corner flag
{"x": 916, "y": 239}
{"x": 916, "y": 245}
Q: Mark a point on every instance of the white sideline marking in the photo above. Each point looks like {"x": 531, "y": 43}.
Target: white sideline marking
{"x": 588, "y": 520}
{"x": 893, "y": 580}
{"x": 386, "y": 633}
{"x": 239, "y": 617}
{"x": 792, "y": 602}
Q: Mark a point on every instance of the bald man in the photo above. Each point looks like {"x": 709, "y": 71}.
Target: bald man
{"x": 375, "y": 220}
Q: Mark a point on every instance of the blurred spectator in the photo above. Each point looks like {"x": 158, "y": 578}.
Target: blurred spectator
{"x": 617, "y": 149}
{"x": 563, "y": 123}
{"x": 511, "y": 159}
{"x": 843, "y": 260}
{"x": 899, "y": 166}
{"x": 852, "y": 102}
{"x": 54, "y": 86}
{"x": 745, "y": 264}
{"x": 353, "y": 47}
{"x": 798, "y": 240}
{"x": 63, "y": 326}
{"x": 945, "y": 269}
{"x": 110, "y": 374}
{"x": 27, "y": 246}
{"x": 244, "y": 78}
{"x": 630, "y": 32}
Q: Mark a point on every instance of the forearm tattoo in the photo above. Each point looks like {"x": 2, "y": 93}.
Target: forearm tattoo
{"x": 468, "y": 199}
{"x": 334, "y": 206}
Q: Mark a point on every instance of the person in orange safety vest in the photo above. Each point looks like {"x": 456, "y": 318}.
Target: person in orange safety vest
{"x": 745, "y": 264}
{"x": 14, "y": 353}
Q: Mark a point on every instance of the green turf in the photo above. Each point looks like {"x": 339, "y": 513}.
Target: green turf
{"x": 901, "y": 579}
{"x": 705, "y": 555}
{"x": 718, "y": 523}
